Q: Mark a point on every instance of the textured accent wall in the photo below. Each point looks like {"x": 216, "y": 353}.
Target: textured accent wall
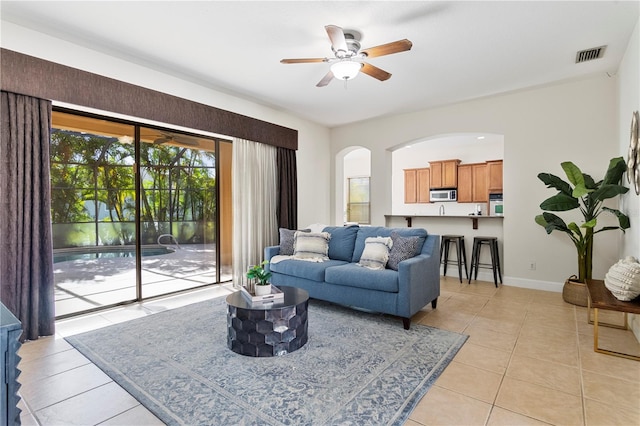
{"x": 36, "y": 77}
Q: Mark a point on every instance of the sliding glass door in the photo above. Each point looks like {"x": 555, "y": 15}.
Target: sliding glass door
{"x": 177, "y": 210}
{"x": 135, "y": 211}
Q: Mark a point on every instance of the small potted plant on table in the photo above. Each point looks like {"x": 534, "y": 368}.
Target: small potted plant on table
{"x": 257, "y": 272}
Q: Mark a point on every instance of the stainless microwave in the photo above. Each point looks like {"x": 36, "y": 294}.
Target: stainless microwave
{"x": 443, "y": 195}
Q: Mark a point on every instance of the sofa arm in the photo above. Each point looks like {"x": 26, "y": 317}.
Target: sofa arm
{"x": 419, "y": 278}
{"x": 271, "y": 251}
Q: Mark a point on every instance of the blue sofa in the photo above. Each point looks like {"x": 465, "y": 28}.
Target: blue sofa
{"x": 340, "y": 280}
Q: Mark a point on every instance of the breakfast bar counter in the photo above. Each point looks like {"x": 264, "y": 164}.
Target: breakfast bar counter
{"x": 469, "y": 226}
{"x": 474, "y": 218}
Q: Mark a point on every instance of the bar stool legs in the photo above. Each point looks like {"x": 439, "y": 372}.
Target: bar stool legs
{"x": 492, "y": 242}
{"x": 461, "y": 253}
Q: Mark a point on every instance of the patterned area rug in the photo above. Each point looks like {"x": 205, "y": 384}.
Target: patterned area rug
{"x": 357, "y": 368}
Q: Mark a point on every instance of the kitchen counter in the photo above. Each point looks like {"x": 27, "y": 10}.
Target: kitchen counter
{"x": 474, "y": 218}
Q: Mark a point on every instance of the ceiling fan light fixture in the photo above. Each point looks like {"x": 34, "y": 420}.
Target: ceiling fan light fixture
{"x": 346, "y": 70}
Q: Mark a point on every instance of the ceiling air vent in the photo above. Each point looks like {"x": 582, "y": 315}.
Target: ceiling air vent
{"x": 590, "y": 54}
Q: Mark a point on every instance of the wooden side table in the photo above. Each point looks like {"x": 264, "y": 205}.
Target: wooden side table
{"x": 601, "y": 298}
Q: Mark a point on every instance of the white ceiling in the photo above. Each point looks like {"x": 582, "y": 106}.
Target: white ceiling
{"x": 461, "y": 50}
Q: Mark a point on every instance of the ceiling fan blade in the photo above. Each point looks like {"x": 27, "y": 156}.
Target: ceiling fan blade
{"x": 160, "y": 141}
{"x": 336, "y": 36}
{"x": 388, "y": 49}
{"x": 375, "y": 72}
{"x": 185, "y": 141}
{"x": 303, "y": 60}
{"x": 325, "y": 80}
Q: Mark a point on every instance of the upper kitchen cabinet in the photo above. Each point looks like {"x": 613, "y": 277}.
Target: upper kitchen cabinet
{"x": 410, "y": 186}
{"x": 423, "y": 178}
{"x": 472, "y": 183}
{"x": 444, "y": 174}
{"x": 416, "y": 185}
{"x": 494, "y": 176}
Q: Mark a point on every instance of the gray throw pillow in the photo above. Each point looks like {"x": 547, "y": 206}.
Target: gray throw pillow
{"x": 403, "y": 248}
{"x": 286, "y": 240}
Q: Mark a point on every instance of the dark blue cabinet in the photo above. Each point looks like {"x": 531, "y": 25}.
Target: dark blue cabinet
{"x": 10, "y": 330}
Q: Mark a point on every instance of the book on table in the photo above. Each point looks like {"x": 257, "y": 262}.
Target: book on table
{"x": 276, "y": 295}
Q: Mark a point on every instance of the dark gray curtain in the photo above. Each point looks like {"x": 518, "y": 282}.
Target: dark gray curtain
{"x": 287, "y": 209}
{"x": 26, "y": 255}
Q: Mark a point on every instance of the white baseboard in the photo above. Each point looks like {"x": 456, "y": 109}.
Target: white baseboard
{"x": 534, "y": 284}
{"x": 484, "y": 275}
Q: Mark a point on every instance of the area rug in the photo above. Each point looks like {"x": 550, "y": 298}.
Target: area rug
{"x": 357, "y": 368}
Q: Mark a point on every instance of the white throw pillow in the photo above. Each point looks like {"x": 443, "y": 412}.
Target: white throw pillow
{"x": 376, "y": 252}
{"x": 311, "y": 246}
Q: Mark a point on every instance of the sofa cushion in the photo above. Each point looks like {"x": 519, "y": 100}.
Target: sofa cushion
{"x": 342, "y": 242}
{"x": 352, "y": 275}
{"x": 376, "y": 252}
{"x": 311, "y": 246}
{"x": 286, "y": 240}
{"x": 314, "y": 271}
{"x": 380, "y": 231}
{"x": 403, "y": 248}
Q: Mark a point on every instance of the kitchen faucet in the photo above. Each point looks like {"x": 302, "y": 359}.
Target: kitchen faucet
{"x": 441, "y": 209}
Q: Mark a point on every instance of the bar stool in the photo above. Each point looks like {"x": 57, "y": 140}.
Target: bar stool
{"x": 461, "y": 260}
{"x": 492, "y": 242}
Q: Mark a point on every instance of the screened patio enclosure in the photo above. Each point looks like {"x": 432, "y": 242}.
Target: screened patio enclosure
{"x": 137, "y": 211}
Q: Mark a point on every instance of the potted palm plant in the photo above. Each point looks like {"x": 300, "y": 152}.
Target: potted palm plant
{"x": 588, "y": 196}
{"x": 261, "y": 276}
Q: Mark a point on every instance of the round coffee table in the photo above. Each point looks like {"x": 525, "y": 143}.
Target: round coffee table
{"x": 271, "y": 329}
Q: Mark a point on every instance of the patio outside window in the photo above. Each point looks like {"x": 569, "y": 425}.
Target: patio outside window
{"x": 123, "y": 233}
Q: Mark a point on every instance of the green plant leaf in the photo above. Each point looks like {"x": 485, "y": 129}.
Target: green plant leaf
{"x": 555, "y": 223}
{"x": 540, "y": 220}
{"x": 608, "y": 228}
{"x": 590, "y": 224}
{"x": 575, "y": 228}
{"x": 574, "y": 174}
{"x": 553, "y": 181}
{"x": 617, "y": 167}
{"x": 623, "y": 219}
{"x": 589, "y": 182}
{"x": 608, "y": 191}
{"x": 580, "y": 190}
{"x": 560, "y": 202}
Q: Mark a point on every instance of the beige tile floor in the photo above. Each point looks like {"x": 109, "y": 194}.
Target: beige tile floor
{"x": 529, "y": 360}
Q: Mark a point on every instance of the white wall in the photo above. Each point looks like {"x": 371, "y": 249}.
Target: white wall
{"x": 313, "y": 139}
{"x": 574, "y": 120}
{"x": 629, "y": 101}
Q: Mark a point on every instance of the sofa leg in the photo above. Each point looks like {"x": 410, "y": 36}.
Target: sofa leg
{"x": 406, "y": 322}
{"x": 434, "y": 302}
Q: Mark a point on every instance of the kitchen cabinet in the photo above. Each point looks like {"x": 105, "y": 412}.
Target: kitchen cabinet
{"x": 465, "y": 184}
{"x": 423, "y": 185}
{"x": 472, "y": 183}
{"x": 494, "y": 176}
{"x": 416, "y": 185}
{"x": 444, "y": 174}
{"x": 480, "y": 192}
{"x": 410, "y": 186}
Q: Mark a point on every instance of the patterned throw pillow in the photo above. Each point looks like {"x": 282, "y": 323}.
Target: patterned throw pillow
{"x": 376, "y": 252}
{"x": 286, "y": 240}
{"x": 403, "y": 248}
{"x": 312, "y": 246}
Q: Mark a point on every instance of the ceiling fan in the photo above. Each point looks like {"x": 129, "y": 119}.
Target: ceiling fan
{"x": 169, "y": 137}
{"x": 349, "y": 58}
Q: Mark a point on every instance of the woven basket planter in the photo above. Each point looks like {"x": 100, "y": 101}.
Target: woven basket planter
{"x": 575, "y": 292}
